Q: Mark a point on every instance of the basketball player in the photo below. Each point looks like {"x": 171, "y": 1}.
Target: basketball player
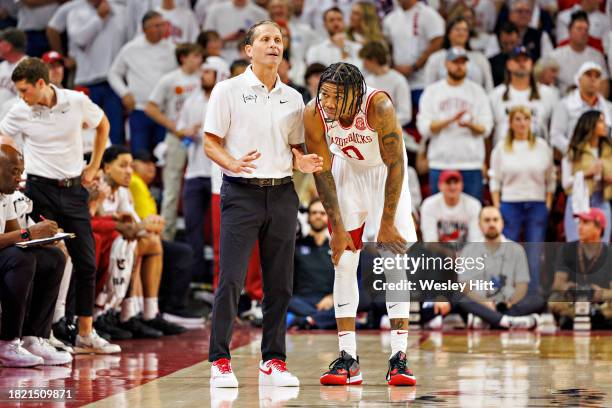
{"x": 366, "y": 181}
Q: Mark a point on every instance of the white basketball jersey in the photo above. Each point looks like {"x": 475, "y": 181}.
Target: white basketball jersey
{"x": 357, "y": 143}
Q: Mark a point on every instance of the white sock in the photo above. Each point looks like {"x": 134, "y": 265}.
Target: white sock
{"x": 140, "y": 304}
{"x": 505, "y": 322}
{"x": 347, "y": 342}
{"x": 399, "y": 341}
{"x": 151, "y": 308}
{"x": 129, "y": 308}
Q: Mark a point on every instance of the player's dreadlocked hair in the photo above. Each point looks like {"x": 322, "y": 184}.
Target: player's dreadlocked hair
{"x": 345, "y": 76}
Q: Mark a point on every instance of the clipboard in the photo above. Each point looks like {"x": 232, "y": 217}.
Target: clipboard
{"x": 43, "y": 241}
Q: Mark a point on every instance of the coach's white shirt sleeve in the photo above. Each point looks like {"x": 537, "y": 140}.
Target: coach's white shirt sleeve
{"x": 10, "y": 124}
{"x": 92, "y": 114}
{"x": 218, "y": 116}
{"x": 296, "y": 132}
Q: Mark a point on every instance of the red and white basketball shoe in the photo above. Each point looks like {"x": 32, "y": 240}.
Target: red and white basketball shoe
{"x": 399, "y": 373}
{"x": 221, "y": 374}
{"x": 274, "y": 372}
{"x": 343, "y": 370}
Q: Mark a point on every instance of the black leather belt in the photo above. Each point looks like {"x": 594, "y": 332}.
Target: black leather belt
{"x": 260, "y": 182}
{"x": 63, "y": 183}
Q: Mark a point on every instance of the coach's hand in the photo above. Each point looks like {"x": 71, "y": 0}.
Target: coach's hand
{"x": 244, "y": 164}
{"x": 43, "y": 229}
{"x": 307, "y": 163}
{"x": 390, "y": 239}
{"x": 338, "y": 243}
{"x": 88, "y": 175}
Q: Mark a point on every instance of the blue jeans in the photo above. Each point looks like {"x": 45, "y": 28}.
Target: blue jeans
{"x": 571, "y": 227}
{"x": 415, "y": 96}
{"x": 103, "y": 95}
{"x": 530, "y": 217}
{"x": 472, "y": 182}
{"x": 145, "y": 134}
{"x": 37, "y": 43}
{"x": 196, "y": 200}
{"x": 304, "y": 306}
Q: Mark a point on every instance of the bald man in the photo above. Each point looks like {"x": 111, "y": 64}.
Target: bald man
{"x": 29, "y": 278}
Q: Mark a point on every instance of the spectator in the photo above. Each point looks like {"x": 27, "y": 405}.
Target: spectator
{"x": 211, "y": 43}
{"x": 415, "y": 31}
{"x": 136, "y": 70}
{"x": 583, "y": 269}
{"x": 284, "y": 70}
{"x": 454, "y": 114}
{"x": 479, "y": 36}
{"x": 232, "y": 19}
{"x": 96, "y": 33}
{"x": 337, "y": 47}
{"x": 57, "y": 26}
{"x": 182, "y": 23}
{"x": 364, "y": 25}
{"x": 458, "y": 36}
{"x": 537, "y": 41}
{"x": 32, "y": 18}
{"x": 311, "y": 12}
{"x": 312, "y": 303}
{"x": 450, "y": 215}
{"x": 163, "y": 107}
{"x": 12, "y": 51}
{"x": 136, "y": 9}
{"x": 521, "y": 89}
{"x": 522, "y": 183}
{"x": 589, "y": 153}
{"x": 577, "y": 52}
{"x": 376, "y": 61}
{"x": 599, "y": 23}
{"x": 312, "y": 76}
{"x": 30, "y": 277}
{"x": 117, "y": 166}
{"x": 509, "y": 39}
{"x": 507, "y": 305}
{"x": 546, "y": 72}
{"x": 568, "y": 110}
{"x": 8, "y": 14}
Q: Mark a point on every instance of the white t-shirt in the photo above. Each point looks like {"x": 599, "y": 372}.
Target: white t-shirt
{"x": 7, "y": 211}
{"x": 313, "y": 10}
{"x": 53, "y": 141}
{"x": 302, "y": 38}
{"x": 120, "y": 201}
{"x": 394, "y": 84}
{"x": 599, "y": 24}
{"x": 410, "y": 32}
{"x": 7, "y": 86}
{"x": 34, "y": 18}
{"x": 172, "y": 91}
{"x": 478, "y": 68}
{"x": 59, "y": 20}
{"x": 22, "y": 207}
{"x": 94, "y": 42}
{"x": 193, "y": 113}
{"x": 570, "y": 61}
{"x": 455, "y": 147}
{"x": 541, "y": 109}
{"x": 225, "y": 18}
{"x": 139, "y": 66}
{"x": 523, "y": 174}
{"x": 441, "y": 223}
{"x": 201, "y": 9}
{"x": 248, "y": 117}
{"x": 328, "y": 53}
{"x": 183, "y": 24}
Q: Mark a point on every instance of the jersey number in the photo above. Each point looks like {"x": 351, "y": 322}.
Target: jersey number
{"x": 354, "y": 153}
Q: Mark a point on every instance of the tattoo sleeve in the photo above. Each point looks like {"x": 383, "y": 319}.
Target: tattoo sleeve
{"x": 326, "y": 187}
{"x": 392, "y": 153}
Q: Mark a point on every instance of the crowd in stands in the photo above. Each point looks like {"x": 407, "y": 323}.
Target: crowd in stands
{"x": 506, "y": 116}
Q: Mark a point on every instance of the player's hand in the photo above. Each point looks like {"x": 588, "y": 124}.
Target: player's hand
{"x": 128, "y": 101}
{"x": 390, "y": 239}
{"x": 128, "y": 231}
{"x": 154, "y": 224}
{"x": 124, "y": 217}
{"x": 88, "y": 175}
{"x": 307, "y": 163}
{"x": 43, "y": 229}
{"x": 339, "y": 242}
{"x": 326, "y": 303}
{"x": 245, "y": 163}
{"x": 442, "y": 308}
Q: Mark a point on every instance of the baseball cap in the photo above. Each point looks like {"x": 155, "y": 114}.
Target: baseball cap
{"x": 15, "y": 37}
{"x": 518, "y": 51}
{"x": 50, "y": 57}
{"x": 456, "y": 53}
{"x": 586, "y": 67}
{"x": 596, "y": 215}
{"x": 447, "y": 175}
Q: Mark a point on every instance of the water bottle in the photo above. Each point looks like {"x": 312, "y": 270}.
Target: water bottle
{"x": 187, "y": 141}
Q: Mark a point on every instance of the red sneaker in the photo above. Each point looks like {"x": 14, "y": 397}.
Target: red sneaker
{"x": 399, "y": 373}
{"x": 343, "y": 370}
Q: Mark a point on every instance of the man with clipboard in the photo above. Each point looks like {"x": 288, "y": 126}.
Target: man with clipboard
{"x": 29, "y": 278}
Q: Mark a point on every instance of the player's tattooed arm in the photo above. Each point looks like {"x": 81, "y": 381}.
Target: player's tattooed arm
{"x": 382, "y": 117}
{"x": 316, "y": 143}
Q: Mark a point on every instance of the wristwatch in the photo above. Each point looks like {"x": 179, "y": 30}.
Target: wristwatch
{"x": 25, "y": 234}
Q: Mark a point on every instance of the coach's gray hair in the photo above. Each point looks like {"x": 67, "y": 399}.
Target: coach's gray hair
{"x": 250, "y": 35}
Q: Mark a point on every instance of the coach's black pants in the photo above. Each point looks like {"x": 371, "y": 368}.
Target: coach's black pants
{"x": 68, "y": 207}
{"x": 250, "y": 213}
{"x": 29, "y": 284}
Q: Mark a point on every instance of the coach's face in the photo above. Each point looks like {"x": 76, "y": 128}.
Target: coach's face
{"x": 11, "y": 169}
{"x": 31, "y": 94}
{"x": 120, "y": 170}
{"x": 267, "y": 47}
